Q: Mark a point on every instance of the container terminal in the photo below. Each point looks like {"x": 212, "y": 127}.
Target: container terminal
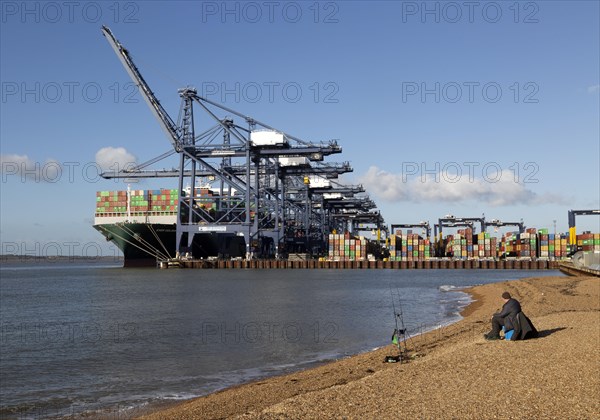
{"x": 248, "y": 195}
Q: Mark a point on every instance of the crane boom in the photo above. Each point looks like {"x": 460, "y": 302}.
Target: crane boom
{"x": 452, "y": 221}
{"x": 499, "y": 223}
{"x": 423, "y": 225}
{"x": 159, "y": 112}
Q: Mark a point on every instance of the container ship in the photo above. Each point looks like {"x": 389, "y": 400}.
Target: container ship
{"x": 142, "y": 224}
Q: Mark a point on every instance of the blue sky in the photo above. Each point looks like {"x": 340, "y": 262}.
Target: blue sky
{"x": 414, "y": 92}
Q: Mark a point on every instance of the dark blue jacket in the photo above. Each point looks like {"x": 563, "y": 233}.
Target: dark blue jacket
{"x": 508, "y": 313}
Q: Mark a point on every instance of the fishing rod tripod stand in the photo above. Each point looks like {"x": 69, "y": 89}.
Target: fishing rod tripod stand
{"x": 400, "y": 335}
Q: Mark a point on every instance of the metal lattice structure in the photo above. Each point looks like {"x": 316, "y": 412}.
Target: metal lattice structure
{"x": 273, "y": 188}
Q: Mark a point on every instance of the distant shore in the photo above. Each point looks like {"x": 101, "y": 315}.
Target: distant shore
{"x": 11, "y": 258}
{"x": 454, "y": 372}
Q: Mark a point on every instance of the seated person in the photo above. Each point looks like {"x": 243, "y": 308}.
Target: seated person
{"x": 504, "y": 318}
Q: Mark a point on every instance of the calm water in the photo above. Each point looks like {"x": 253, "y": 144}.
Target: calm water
{"x": 93, "y": 340}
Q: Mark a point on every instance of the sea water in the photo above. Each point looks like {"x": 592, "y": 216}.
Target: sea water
{"x": 102, "y": 341}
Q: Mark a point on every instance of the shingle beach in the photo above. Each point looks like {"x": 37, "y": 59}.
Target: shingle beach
{"x": 454, "y": 373}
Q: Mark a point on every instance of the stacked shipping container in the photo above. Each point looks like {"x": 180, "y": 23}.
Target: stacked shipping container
{"x": 110, "y": 202}
{"x": 343, "y": 247}
{"x": 148, "y": 202}
{"x": 141, "y": 202}
{"x": 409, "y": 247}
{"x": 465, "y": 245}
{"x": 485, "y": 246}
{"x": 521, "y": 245}
{"x": 552, "y": 245}
{"x": 205, "y": 198}
{"x": 589, "y": 241}
{"x": 459, "y": 245}
{"x": 534, "y": 244}
{"x": 462, "y": 244}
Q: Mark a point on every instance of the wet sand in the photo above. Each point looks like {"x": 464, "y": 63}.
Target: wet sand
{"x": 452, "y": 372}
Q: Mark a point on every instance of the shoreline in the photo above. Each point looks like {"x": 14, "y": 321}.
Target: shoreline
{"x": 163, "y": 405}
{"x": 157, "y": 408}
{"x": 564, "y": 309}
{"x": 474, "y": 305}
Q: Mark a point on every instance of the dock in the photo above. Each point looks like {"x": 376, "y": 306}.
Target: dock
{"x": 440, "y": 264}
{"x": 570, "y": 269}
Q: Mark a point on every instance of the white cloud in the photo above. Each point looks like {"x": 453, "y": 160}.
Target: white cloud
{"x": 114, "y": 158}
{"x": 593, "y": 89}
{"x": 25, "y": 169}
{"x": 21, "y": 161}
{"x": 496, "y": 189}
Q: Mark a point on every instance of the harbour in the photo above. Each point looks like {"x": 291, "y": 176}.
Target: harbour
{"x": 311, "y": 210}
{"x": 446, "y": 264}
{"x": 249, "y": 191}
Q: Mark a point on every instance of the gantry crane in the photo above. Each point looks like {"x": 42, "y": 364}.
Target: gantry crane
{"x": 572, "y": 226}
{"x": 497, "y": 223}
{"x": 423, "y": 225}
{"x": 447, "y": 222}
{"x": 257, "y": 196}
{"x": 451, "y": 221}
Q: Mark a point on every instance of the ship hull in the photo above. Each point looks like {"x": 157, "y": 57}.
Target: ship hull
{"x": 143, "y": 244}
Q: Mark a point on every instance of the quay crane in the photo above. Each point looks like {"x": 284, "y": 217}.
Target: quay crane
{"x": 572, "y": 226}
{"x": 260, "y": 197}
{"x": 423, "y": 225}
{"x": 451, "y": 221}
{"x": 497, "y": 223}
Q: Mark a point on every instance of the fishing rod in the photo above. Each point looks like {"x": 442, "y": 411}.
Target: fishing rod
{"x": 400, "y": 335}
